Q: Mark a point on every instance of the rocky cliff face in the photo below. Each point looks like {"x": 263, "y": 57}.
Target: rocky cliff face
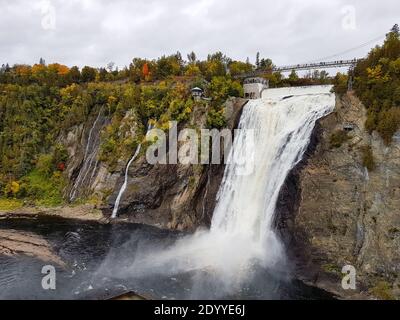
{"x": 335, "y": 212}
{"x": 332, "y": 210}
{"x": 180, "y": 197}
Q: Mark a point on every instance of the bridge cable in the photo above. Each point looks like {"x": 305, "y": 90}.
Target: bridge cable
{"x": 349, "y": 50}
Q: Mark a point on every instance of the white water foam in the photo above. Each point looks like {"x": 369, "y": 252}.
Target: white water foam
{"x": 242, "y": 233}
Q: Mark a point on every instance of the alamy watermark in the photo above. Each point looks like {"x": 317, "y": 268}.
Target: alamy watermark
{"x": 49, "y": 16}
{"x": 349, "y": 280}
{"x": 192, "y": 147}
{"x": 49, "y": 280}
{"x": 349, "y": 19}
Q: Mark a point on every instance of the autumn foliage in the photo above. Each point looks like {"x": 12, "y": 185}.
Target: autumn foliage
{"x": 145, "y": 70}
{"x": 377, "y": 83}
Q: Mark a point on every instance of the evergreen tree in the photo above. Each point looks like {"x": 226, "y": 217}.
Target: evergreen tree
{"x": 192, "y": 57}
{"x": 266, "y": 64}
{"x": 293, "y": 77}
{"x": 395, "y": 29}
{"x": 110, "y": 66}
{"x": 258, "y": 60}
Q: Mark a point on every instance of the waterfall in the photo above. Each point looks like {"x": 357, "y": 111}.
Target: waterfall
{"x": 242, "y": 234}
{"x": 125, "y": 184}
{"x": 89, "y": 156}
{"x": 281, "y": 128}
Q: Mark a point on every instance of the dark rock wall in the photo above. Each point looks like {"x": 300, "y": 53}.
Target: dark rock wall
{"x": 333, "y": 212}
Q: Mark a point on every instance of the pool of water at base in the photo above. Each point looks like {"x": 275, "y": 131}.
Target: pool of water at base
{"x": 89, "y": 248}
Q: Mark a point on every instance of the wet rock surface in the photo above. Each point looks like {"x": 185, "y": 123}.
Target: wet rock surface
{"x": 334, "y": 212}
{"x": 174, "y": 196}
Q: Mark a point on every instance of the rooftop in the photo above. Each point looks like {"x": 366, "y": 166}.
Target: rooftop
{"x": 255, "y": 80}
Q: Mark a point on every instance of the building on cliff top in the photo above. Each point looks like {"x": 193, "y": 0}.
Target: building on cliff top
{"x": 254, "y": 87}
{"x": 197, "y": 93}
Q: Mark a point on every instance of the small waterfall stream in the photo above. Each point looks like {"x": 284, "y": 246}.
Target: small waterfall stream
{"x": 89, "y": 158}
{"x": 125, "y": 184}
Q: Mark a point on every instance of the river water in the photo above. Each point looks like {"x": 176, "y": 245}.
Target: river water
{"x": 90, "y": 248}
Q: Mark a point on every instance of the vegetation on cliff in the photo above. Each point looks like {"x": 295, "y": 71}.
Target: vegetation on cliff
{"x": 377, "y": 83}
{"x": 338, "y": 138}
{"x": 38, "y": 103}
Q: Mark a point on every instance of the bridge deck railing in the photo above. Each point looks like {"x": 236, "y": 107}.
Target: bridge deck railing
{"x": 306, "y": 66}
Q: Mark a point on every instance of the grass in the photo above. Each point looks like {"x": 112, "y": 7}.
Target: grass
{"x": 331, "y": 268}
{"x": 43, "y": 190}
{"x": 382, "y": 290}
{"x": 10, "y": 204}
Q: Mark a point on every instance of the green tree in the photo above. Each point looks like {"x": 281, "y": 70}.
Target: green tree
{"x": 293, "y": 77}
{"x": 88, "y": 74}
{"x": 74, "y": 75}
{"x": 238, "y": 67}
{"x": 340, "y": 83}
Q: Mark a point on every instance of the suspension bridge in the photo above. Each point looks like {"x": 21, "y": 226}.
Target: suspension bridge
{"x": 324, "y": 63}
{"x": 305, "y": 66}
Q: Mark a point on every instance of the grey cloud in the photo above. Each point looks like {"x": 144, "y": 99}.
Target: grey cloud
{"x": 94, "y": 32}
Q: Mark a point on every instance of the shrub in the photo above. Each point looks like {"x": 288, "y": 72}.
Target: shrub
{"x": 371, "y": 122}
{"x": 12, "y": 188}
{"x": 10, "y": 204}
{"x": 368, "y": 158}
{"x": 332, "y": 268}
{"x": 60, "y": 154}
{"x": 43, "y": 189}
{"x": 340, "y": 83}
{"x": 221, "y": 88}
{"x": 108, "y": 151}
{"x": 338, "y": 138}
{"x": 388, "y": 124}
{"x": 216, "y": 119}
{"x": 45, "y": 164}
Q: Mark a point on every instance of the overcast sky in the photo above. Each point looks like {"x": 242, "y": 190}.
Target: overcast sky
{"x": 95, "y": 32}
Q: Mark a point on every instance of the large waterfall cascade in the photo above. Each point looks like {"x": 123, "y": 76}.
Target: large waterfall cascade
{"x": 242, "y": 233}
{"x": 283, "y": 121}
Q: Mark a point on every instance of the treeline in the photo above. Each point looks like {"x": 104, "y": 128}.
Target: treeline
{"x": 145, "y": 70}
{"x": 139, "y": 70}
{"x": 377, "y": 83}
